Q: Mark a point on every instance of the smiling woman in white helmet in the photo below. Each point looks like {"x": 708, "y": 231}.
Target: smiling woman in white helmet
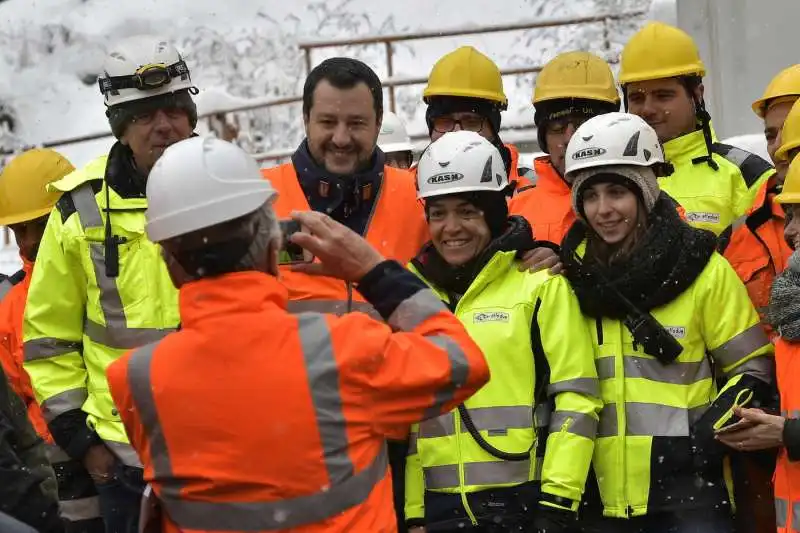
{"x": 494, "y": 438}
{"x": 667, "y": 314}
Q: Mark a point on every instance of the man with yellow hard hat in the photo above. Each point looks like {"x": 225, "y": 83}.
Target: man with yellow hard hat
{"x": 465, "y": 92}
{"x": 755, "y": 246}
{"x": 25, "y": 204}
{"x": 754, "y": 242}
{"x": 571, "y": 88}
{"x": 662, "y": 81}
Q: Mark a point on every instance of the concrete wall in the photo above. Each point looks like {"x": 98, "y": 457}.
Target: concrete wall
{"x": 743, "y": 43}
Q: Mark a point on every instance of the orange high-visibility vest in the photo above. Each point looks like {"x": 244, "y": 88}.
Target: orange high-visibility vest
{"x": 12, "y": 309}
{"x": 548, "y": 205}
{"x": 787, "y": 472}
{"x": 254, "y": 419}
{"x": 397, "y": 229}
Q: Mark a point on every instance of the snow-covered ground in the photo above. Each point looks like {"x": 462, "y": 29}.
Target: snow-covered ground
{"x": 239, "y": 50}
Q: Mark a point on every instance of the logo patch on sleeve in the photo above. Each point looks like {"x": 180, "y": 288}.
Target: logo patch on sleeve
{"x": 699, "y": 216}
{"x": 492, "y": 316}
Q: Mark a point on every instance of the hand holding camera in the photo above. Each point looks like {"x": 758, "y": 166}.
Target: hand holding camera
{"x": 341, "y": 253}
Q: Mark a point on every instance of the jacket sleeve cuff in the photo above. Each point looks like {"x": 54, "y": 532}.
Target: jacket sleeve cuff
{"x": 73, "y": 435}
{"x": 415, "y": 522}
{"x": 387, "y": 285}
{"x": 791, "y": 438}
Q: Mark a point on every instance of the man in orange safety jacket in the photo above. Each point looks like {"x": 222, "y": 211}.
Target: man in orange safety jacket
{"x": 251, "y": 418}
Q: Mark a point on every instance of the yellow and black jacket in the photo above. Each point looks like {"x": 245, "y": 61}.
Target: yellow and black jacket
{"x": 522, "y": 322}
{"x": 655, "y": 448}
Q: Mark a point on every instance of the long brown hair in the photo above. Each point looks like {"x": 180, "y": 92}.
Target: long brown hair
{"x": 599, "y": 251}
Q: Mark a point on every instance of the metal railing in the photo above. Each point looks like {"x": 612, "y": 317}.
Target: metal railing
{"x": 391, "y": 82}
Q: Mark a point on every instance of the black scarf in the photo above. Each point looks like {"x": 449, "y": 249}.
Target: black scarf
{"x": 455, "y": 280}
{"x": 663, "y": 265}
{"x": 346, "y": 199}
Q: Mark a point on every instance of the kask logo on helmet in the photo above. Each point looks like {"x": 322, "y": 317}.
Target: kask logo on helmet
{"x": 586, "y": 153}
{"x": 445, "y": 177}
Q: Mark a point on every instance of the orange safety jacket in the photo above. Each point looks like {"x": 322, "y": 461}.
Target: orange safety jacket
{"x": 547, "y": 206}
{"x": 755, "y": 247}
{"x": 396, "y": 228}
{"x": 514, "y": 177}
{"x": 254, "y": 419}
{"x": 787, "y": 471}
{"x": 12, "y": 309}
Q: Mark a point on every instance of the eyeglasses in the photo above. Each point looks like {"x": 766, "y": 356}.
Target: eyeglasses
{"x": 447, "y": 124}
{"x": 559, "y": 126}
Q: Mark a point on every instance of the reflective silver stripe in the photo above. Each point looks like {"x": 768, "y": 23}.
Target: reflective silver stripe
{"x": 115, "y": 333}
{"x": 574, "y": 422}
{"x": 276, "y": 515}
{"x": 5, "y": 288}
{"x": 323, "y": 379}
{"x": 678, "y": 373}
{"x": 606, "y": 368}
{"x": 489, "y": 473}
{"x": 415, "y": 310}
{"x": 122, "y": 338}
{"x": 81, "y": 509}
{"x": 438, "y": 426}
{"x": 47, "y": 347}
{"x": 62, "y": 402}
{"x": 634, "y": 366}
{"x": 412, "y": 444}
{"x": 737, "y": 156}
{"x": 341, "y": 494}
{"x": 742, "y": 345}
{"x": 333, "y": 307}
{"x": 56, "y": 455}
{"x": 738, "y": 223}
{"x": 781, "y": 512}
{"x": 796, "y": 516}
{"x": 124, "y": 453}
{"x": 760, "y": 367}
{"x": 501, "y": 418}
{"x": 83, "y": 198}
{"x": 649, "y": 419}
{"x": 459, "y": 371}
{"x": 588, "y": 386}
{"x": 492, "y": 419}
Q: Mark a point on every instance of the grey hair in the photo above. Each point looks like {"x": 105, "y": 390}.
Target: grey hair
{"x": 265, "y": 229}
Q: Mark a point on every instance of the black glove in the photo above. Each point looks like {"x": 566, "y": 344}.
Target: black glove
{"x": 552, "y": 520}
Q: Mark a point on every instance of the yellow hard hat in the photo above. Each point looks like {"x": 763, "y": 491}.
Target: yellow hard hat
{"x": 576, "y": 75}
{"x": 791, "y": 185}
{"x": 786, "y": 83}
{"x": 790, "y": 133}
{"x": 468, "y": 73}
{"x": 659, "y": 51}
{"x": 23, "y": 185}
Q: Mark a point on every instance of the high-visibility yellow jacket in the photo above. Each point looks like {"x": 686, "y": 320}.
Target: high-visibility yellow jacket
{"x": 527, "y": 325}
{"x": 78, "y": 319}
{"x": 645, "y": 458}
{"x": 713, "y": 199}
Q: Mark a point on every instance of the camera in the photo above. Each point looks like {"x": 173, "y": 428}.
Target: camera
{"x": 291, "y": 253}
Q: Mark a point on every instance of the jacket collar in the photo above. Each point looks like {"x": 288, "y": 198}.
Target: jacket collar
{"x": 548, "y": 178}
{"x": 681, "y": 150}
{"x": 239, "y": 292}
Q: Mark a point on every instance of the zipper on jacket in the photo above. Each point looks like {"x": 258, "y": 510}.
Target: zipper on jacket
{"x": 461, "y": 476}
{"x": 599, "y": 328}
{"x": 349, "y": 297}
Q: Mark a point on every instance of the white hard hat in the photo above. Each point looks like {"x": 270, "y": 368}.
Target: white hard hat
{"x": 141, "y": 67}
{"x": 613, "y": 139}
{"x": 393, "y": 136}
{"x": 199, "y": 183}
{"x": 460, "y": 161}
